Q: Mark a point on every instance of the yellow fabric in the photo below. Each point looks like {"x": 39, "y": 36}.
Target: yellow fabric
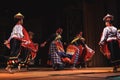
{"x": 58, "y": 37}
{"x": 77, "y": 38}
{"x": 74, "y": 40}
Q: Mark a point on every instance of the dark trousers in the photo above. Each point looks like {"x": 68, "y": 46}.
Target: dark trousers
{"x": 24, "y": 55}
{"x": 114, "y": 49}
{"x": 15, "y": 46}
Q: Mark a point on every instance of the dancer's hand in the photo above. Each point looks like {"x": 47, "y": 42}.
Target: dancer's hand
{"x": 6, "y": 42}
{"x": 43, "y": 44}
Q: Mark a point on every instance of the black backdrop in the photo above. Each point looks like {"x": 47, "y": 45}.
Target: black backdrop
{"x": 45, "y": 16}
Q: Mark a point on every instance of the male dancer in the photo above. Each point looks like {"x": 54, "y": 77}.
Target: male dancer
{"x": 109, "y": 42}
{"x": 18, "y": 35}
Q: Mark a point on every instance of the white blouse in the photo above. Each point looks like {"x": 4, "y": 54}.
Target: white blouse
{"x": 109, "y": 33}
{"x": 16, "y": 32}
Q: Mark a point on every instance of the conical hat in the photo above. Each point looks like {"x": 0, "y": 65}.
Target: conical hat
{"x": 19, "y": 16}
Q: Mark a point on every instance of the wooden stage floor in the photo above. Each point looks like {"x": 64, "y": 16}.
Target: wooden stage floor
{"x": 95, "y": 73}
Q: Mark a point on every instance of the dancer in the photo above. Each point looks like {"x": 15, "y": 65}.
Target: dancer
{"x": 28, "y": 51}
{"x": 109, "y": 42}
{"x": 73, "y": 50}
{"x": 56, "y": 50}
{"x": 79, "y": 52}
{"x": 14, "y": 41}
{"x": 19, "y": 42}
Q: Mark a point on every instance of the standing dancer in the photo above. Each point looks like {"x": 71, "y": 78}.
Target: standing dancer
{"x": 14, "y": 41}
{"x": 109, "y": 42}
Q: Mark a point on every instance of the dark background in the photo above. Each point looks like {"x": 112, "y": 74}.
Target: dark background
{"x": 43, "y": 17}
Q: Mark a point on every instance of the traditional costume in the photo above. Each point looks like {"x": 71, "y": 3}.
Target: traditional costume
{"x": 14, "y": 42}
{"x": 79, "y": 51}
{"x": 28, "y": 51}
{"x": 56, "y": 51}
{"x": 18, "y": 42}
{"x": 109, "y": 42}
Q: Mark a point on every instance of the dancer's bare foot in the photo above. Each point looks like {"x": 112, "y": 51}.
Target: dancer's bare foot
{"x": 9, "y": 70}
{"x": 19, "y": 67}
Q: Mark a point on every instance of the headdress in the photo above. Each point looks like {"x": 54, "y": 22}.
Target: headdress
{"x": 58, "y": 37}
{"x": 108, "y": 16}
{"x": 19, "y": 16}
{"x": 59, "y": 30}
